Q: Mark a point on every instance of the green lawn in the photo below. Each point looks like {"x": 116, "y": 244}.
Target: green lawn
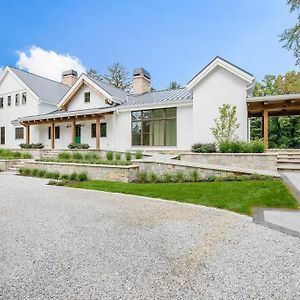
{"x": 239, "y": 196}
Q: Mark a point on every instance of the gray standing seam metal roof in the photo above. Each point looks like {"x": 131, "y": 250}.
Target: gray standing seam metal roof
{"x": 181, "y": 94}
{"x": 46, "y": 89}
{"x": 118, "y": 95}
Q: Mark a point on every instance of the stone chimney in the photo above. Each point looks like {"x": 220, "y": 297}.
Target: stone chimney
{"x": 141, "y": 81}
{"x": 69, "y": 77}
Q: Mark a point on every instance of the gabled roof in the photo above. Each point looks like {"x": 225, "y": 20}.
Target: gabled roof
{"x": 112, "y": 93}
{"x": 181, "y": 94}
{"x": 118, "y": 95}
{"x": 223, "y": 63}
{"x": 45, "y": 89}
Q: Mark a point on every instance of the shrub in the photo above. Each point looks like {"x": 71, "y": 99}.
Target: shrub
{"x": 32, "y": 146}
{"x": 77, "y": 155}
{"x": 73, "y": 176}
{"x": 204, "y": 148}
{"x": 109, "y": 155}
{"x": 153, "y": 178}
{"x": 138, "y": 154}
{"x": 27, "y": 172}
{"x": 118, "y": 156}
{"x": 180, "y": 176}
{"x": 34, "y": 172}
{"x": 167, "y": 178}
{"x": 242, "y": 147}
{"x": 82, "y": 176}
{"x": 194, "y": 175}
{"x": 64, "y": 177}
{"x": 78, "y": 146}
{"x": 64, "y": 156}
{"x": 128, "y": 156}
{"x": 40, "y": 173}
{"x": 142, "y": 177}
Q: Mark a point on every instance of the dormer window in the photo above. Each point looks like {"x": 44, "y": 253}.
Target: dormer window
{"x": 8, "y": 100}
{"x": 24, "y": 98}
{"x": 17, "y": 99}
{"x": 87, "y": 97}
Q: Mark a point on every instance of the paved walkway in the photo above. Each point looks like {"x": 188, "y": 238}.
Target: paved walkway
{"x": 63, "y": 243}
{"x": 287, "y": 221}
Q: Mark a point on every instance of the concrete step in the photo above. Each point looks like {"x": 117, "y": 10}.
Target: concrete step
{"x": 291, "y": 161}
{"x": 288, "y": 166}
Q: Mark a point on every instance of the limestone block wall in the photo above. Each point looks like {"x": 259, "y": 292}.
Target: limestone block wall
{"x": 6, "y": 164}
{"x": 255, "y": 161}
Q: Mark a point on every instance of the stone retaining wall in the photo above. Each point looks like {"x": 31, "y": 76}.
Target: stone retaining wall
{"x": 255, "y": 161}
{"x": 6, "y": 164}
{"x": 161, "y": 168}
{"x": 99, "y": 172}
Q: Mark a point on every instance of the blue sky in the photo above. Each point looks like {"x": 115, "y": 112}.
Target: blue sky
{"x": 173, "y": 39}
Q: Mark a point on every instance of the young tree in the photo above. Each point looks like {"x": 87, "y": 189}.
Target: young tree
{"x": 94, "y": 74}
{"x": 118, "y": 76}
{"x": 291, "y": 37}
{"x": 173, "y": 85}
{"x": 226, "y": 124}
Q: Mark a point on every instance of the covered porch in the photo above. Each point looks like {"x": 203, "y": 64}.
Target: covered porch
{"x": 63, "y": 128}
{"x": 268, "y": 106}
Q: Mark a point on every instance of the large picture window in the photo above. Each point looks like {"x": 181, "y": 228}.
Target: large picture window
{"x": 155, "y": 127}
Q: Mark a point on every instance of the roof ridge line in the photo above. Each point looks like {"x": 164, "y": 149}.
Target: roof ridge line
{"x": 14, "y": 68}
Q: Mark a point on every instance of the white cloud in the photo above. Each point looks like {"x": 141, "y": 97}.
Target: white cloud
{"x": 48, "y": 63}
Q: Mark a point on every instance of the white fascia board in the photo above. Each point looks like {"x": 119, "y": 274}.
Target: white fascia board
{"x": 155, "y": 105}
{"x": 8, "y": 70}
{"x": 83, "y": 78}
{"x": 223, "y": 64}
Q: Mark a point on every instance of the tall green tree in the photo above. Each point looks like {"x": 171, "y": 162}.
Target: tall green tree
{"x": 284, "y": 132}
{"x": 116, "y": 75}
{"x": 173, "y": 85}
{"x": 291, "y": 37}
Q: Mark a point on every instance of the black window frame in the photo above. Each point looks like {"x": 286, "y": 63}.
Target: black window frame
{"x": 24, "y": 98}
{"x": 9, "y": 100}
{"x": 17, "y": 99}
{"x": 19, "y": 135}
{"x": 89, "y": 97}
{"x": 1, "y": 102}
{"x": 103, "y": 129}
{"x": 56, "y": 133}
{"x": 144, "y": 119}
{"x": 2, "y": 135}
{"x": 93, "y": 130}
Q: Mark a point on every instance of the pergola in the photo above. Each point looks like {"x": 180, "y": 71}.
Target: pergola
{"x": 266, "y": 106}
{"x": 65, "y": 117}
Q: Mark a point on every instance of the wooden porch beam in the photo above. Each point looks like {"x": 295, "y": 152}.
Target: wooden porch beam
{"x": 27, "y": 127}
{"x": 266, "y": 128}
{"x": 73, "y": 132}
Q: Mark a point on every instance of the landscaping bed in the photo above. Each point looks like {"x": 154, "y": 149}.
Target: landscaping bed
{"x": 240, "y": 197}
{"x": 10, "y": 154}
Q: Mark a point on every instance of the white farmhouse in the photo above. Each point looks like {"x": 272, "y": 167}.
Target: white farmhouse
{"x": 81, "y": 109}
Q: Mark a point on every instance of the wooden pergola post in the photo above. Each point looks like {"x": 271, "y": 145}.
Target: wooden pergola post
{"x": 73, "y": 132}
{"x": 266, "y": 128}
{"x": 52, "y": 135}
{"x": 27, "y": 127}
{"x": 98, "y": 133}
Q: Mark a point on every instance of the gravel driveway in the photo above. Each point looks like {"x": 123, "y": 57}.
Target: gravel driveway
{"x": 62, "y": 243}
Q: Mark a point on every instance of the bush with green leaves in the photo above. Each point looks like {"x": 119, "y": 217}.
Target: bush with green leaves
{"x": 33, "y": 172}
{"x": 109, "y": 155}
{"x": 10, "y": 154}
{"x": 64, "y": 155}
{"x": 242, "y": 147}
{"x": 142, "y": 177}
{"x": 128, "y": 156}
{"x": 138, "y": 154}
{"x": 32, "y": 146}
{"x": 78, "y": 146}
{"x": 204, "y": 148}
{"x": 117, "y": 156}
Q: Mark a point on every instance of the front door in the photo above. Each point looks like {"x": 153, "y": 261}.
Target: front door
{"x": 78, "y": 134}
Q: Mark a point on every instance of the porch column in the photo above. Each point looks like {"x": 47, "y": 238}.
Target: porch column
{"x": 27, "y": 127}
{"x": 266, "y": 128}
{"x": 98, "y": 133}
{"x": 74, "y": 132}
{"x": 52, "y": 135}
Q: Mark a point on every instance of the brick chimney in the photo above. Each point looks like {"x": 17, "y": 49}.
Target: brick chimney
{"x": 141, "y": 81}
{"x": 69, "y": 77}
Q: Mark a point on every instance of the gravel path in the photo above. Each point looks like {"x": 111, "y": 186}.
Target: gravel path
{"x": 62, "y": 243}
